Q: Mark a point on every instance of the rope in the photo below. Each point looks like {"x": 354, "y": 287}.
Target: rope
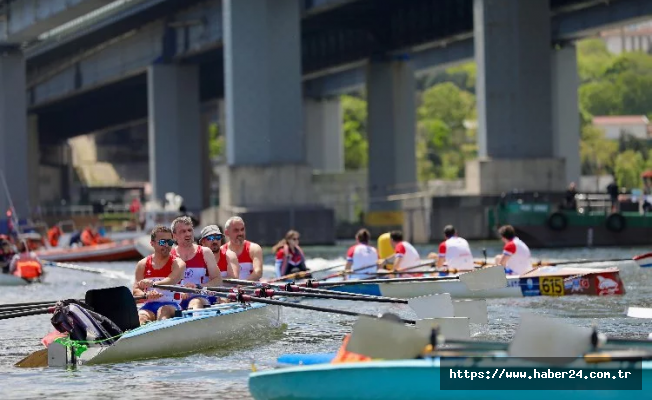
{"x": 80, "y": 346}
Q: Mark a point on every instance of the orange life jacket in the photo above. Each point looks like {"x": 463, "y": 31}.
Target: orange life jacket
{"x": 54, "y": 234}
{"x": 28, "y": 268}
{"x": 88, "y": 238}
{"x": 344, "y": 356}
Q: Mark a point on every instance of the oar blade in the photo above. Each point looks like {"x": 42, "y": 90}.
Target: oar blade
{"x": 639, "y": 312}
{"x": 396, "y": 341}
{"x": 449, "y": 327}
{"x": 485, "y": 278}
{"x": 433, "y": 306}
{"x": 539, "y": 337}
{"x": 38, "y": 359}
{"x": 475, "y": 310}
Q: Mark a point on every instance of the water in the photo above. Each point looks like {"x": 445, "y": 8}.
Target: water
{"x": 224, "y": 372}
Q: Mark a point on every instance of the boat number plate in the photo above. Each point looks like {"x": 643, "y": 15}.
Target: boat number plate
{"x": 552, "y": 286}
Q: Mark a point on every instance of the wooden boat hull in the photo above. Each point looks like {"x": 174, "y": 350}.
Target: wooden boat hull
{"x": 218, "y": 326}
{"x": 546, "y": 281}
{"x": 415, "y": 379}
{"x": 116, "y": 251}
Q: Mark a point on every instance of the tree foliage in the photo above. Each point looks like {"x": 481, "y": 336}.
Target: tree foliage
{"x": 354, "y": 111}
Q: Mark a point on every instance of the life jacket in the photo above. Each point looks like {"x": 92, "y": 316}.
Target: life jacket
{"x": 83, "y": 324}
{"x": 344, "y": 356}
{"x": 88, "y": 238}
{"x": 54, "y": 234}
{"x": 28, "y": 268}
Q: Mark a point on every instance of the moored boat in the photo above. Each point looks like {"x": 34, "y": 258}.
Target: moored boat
{"x": 430, "y": 379}
{"x": 544, "y": 281}
{"x": 124, "y": 250}
{"x": 644, "y": 260}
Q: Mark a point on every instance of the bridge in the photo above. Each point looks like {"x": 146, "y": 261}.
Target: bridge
{"x": 274, "y": 67}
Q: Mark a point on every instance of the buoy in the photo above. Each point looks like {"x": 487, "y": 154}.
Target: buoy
{"x": 385, "y": 249}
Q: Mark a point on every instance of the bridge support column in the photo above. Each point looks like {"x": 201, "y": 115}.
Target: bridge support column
{"x": 175, "y": 140}
{"x": 514, "y": 94}
{"x": 391, "y": 131}
{"x": 565, "y": 110}
{"x": 265, "y": 145}
{"x": 324, "y": 136}
{"x": 14, "y": 148}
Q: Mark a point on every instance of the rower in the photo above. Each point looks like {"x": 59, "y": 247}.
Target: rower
{"x": 516, "y": 254}
{"x": 25, "y": 264}
{"x": 201, "y": 267}
{"x": 406, "y": 255}
{"x": 361, "y": 257}
{"x": 454, "y": 251}
{"x": 289, "y": 256}
{"x": 250, "y": 254}
{"x": 227, "y": 261}
{"x": 161, "y": 268}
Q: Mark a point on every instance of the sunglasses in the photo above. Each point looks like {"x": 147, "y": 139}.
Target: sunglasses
{"x": 163, "y": 242}
{"x": 213, "y": 237}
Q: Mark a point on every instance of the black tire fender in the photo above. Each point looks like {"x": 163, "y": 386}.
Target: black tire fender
{"x": 557, "y": 221}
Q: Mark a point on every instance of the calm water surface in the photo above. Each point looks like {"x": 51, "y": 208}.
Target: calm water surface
{"x": 224, "y": 372}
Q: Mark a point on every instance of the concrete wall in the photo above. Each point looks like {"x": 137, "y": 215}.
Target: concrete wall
{"x": 615, "y": 131}
{"x": 493, "y": 177}
{"x": 469, "y": 215}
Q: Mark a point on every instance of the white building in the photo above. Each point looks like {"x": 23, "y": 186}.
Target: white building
{"x": 629, "y": 38}
{"x": 616, "y": 125}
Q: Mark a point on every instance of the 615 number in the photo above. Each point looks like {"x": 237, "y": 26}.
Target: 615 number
{"x": 552, "y": 286}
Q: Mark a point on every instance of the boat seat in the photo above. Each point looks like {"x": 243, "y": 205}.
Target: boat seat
{"x": 117, "y": 304}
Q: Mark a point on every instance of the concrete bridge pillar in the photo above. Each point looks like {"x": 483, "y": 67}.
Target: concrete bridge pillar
{"x": 565, "y": 110}
{"x": 14, "y": 143}
{"x": 391, "y": 114}
{"x": 176, "y": 144}
{"x": 265, "y": 145}
{"x": 515, "y": 96}
{"x": 324, "y": 136}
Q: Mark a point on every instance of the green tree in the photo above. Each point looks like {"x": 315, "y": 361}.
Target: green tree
{"x": 597, "y": 153}
{"x": 215, "y": 141}
{"x": 593, "y": 59}
{"x": 354, "y": 110}
{"x": 627, "y": 169}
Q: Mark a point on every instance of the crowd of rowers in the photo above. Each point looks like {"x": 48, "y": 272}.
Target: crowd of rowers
{"x": 177, "y": 259}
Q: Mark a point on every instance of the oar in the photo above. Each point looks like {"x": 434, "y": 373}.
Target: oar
{"x": 639, "y": 312}
{"x": 75, "y": 267}
{"x": 357, "y": 270}
{"x": 29, "y": 306}
{"x": 334, "y": 296}
{"x": 290, "y": 287}
{"x": 245, "y": 298}
{"x": 37, "y": 311}
{"x": 582, "y": 261}
{"x": 38, "y": 303}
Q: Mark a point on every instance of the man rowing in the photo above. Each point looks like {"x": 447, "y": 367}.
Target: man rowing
{"x": 227, "y": 261}
{"x": 516, "y": 254}
{"x": 249, "y": 254}
{"x": 201, "y": 267}
{"x": 161, "y": 268}
{"x": 454, "y": 251}
{"x": 361, "y": 258}
{"x": 406, "y": 255}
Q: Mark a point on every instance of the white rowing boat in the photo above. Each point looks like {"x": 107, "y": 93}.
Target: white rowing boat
{"x": 219, "y": 326}
{"x": 544, "y": 281}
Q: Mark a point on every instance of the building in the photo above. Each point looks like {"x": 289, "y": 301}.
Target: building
{"x": 629, "y": 38}
{"x": 615, "y": 125}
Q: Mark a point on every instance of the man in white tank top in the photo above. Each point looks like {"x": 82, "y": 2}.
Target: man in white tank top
{"x": 405, "y": 254}
{"x": 361, "y": 259}
{"x": 455, "y": 251}
{"x": 516, "y": 255}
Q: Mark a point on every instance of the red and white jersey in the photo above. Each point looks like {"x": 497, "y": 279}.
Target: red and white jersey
{"x": 457, "y": 253}
{"x": 361, "y": 256}
{"x": 221, "y": 261}
{"x": 156, "y": 275}
{"x": 244, "y": 259}
{"x": 196, "y": 271}
{"x": 519, "y": 256}
{"x": 408, "y": 254}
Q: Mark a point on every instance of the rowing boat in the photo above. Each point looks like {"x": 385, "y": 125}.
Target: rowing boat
{"x": 124, "y": 250}
{"x": 644, "y": 260}
{"x": 195, "y": 331}
{"x": 544, "y": 281}
{"x": 430, "y": 379}
{"x": 14, "y": 280}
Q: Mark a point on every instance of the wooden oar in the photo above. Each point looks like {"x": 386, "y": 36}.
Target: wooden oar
{"x": 245, "y": 298}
